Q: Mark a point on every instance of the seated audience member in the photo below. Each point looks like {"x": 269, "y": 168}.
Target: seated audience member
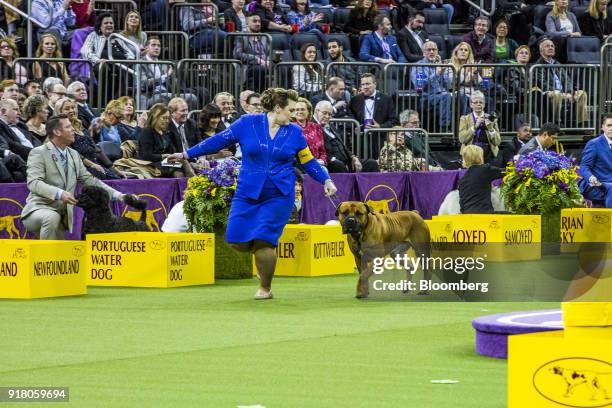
{"x": 54, "y": 92}
{"x": 423, "y": 4}
{"x": 9, "y": 68}
{"x": 95, "y": 47}
{"x": 483, "y": 44}
{"x": 155, "y": 144}
{"x": 504, "y": 46}
{"x": 434, "y": 85}
{"x": 596, "y": 167}
{"x": 209, "y": 122}
{"x": 48, "y": 48}
{"x": 306, "y": 20}
{"x": 94, "y": 159}
{"x": 479, "y": 129}
{"x": 558, "y": 86}
{"x": 131, "y": 124}
{"x": 595, "y": 21}
{"x": 560, "y": 22}
{"x": 182, "y": 131}
{"x": 9, "y": 89}
{"x": 132, "y": 30}
{"x": 32, "y": 88}
{"x": 84, "y": 12}
{"x": 522, "y": 137}
{"x": 312, "y": 130}
{"x": 306, "y": 78}
{"x": 104, "y": 128}
{"x": 78, "y": 91}
{"x": 361, "y": 23}
{"x": 297, "y": 205}
{"x": 35, "y": 114}
{"x": 15, "y": 133}
{"x": 199, "y": 23}
{"x": 349, "y": 74}
{"x": 380, "y": 46}
{"x": 340, "y": 159}
{"x": 225, "y": 102}
{"x": 242, "y": 99}
{"x": 412, "y": 37}
{"x": 254, "y": 52}
{"x": 336, "y": 95}
{"x": 475, "y": 184}
{"x": 396, "y": 156}
{"x": 548, "y": 136}
{"x": 469, "y": 77}
{"x": 416, "y": 141}
{"x": 273, "y": 18}
{"x": 254, "y": 104}
{"x": 57, "y": 16}
{"x": 235, "y": 14}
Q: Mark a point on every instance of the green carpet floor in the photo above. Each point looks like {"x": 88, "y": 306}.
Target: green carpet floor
{"x": 312, "y": 346}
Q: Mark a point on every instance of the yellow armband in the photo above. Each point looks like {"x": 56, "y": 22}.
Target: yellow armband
{"x": 305, "y": 155}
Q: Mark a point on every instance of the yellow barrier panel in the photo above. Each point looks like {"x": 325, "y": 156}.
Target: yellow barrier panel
{"x": 37, "y": 269}
{"x": 150, "y": 259}
{"x": 580, "y": 225}
{"x": 313, "y": 250}
{"x": 502, "y": 237}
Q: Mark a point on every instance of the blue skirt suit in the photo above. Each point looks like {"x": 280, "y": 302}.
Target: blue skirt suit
{"x": 265, "y": 193}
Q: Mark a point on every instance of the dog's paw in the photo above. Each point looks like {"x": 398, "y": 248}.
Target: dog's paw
{"x": 133, "y": 201}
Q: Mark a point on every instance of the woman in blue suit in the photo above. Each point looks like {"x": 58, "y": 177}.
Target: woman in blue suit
{"x": 265, "y": 193}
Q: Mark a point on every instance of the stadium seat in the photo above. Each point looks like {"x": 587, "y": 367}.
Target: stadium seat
{"x": 111, "y": 150}
{"x": 579, "y": 11}
{"x": 299, "y": 39}
{"x": 583, "y": 50}
{"x": 452, "y": 41}
{"x": 436, "y": 21}
{"x": 326, "y": 11}
{"x": 280, "y": 41}
{"x": 344, "y": 40}
{"x": 439, "y": 40}
{"x": 341, "y": 17}
{"x": 539, "y": 19}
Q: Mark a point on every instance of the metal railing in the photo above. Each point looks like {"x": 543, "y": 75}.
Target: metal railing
{"x": 257, "y": 77}
{"x": 127, "y": 41}
{"x": 118, "y": 8}
{"x": 480, "y": 7}
{"x": 209, "y": 77}
{"x": 28, "y": 17}
{"x": 203, "y": 40}
{"x": 349, "y": 130}
{"x": 174, "y": 44}
{"x": 605, "y": 84}
{"x": 307, "y": 78}
{"x": 351, "y": 72}
{"x": 396, "y": 149}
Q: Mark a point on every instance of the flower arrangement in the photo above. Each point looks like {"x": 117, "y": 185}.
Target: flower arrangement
{"x": 208, "y": 196}
{"x": 541, "y": 182}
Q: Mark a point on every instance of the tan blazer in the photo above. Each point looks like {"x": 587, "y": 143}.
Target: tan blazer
{"x": 467, "y": 131}
{"x": 46, "y": 176}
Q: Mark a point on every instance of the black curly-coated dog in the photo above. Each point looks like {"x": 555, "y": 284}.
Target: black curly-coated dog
{"x": 99, "y": 217}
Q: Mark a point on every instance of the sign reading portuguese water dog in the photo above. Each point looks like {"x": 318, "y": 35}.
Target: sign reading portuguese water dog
{"x": 150, "y": 259}
{"x": 36, "y": 269}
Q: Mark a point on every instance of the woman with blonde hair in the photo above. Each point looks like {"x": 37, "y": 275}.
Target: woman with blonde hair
{"x": 475, "y": 185}
{"x": 104, "y": 128}
{"x": 469, "y": 77}
{"x": 131, "y": 124}
{"x": 47, "y": 48}
{"x": 10, "y": 69}
{"x": 560, "y": 22}
{"x": 132, "y": 30}
{"x": 155, "y": 144}
{"x": 595, "y": 21}
{"x": 35, "y": 114}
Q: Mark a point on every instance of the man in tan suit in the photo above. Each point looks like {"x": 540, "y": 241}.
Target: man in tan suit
{"x": 53, "y": 172}
{"x": 476, "y": 128}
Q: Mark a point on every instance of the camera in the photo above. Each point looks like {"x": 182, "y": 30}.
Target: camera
{"x": 491, "y": 117}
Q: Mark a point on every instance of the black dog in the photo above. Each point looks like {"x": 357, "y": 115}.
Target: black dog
{"x": 99, "y": 218}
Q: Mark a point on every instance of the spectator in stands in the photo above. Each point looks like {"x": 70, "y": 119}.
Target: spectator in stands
{"x": 254, "y": 52}
{"x": 254, "y": 104}
{"x": 155, "y": 144}
{"x": 596, "y": 167}
{"x": 104, "y": 128}
{"x": 32, "y": 88}
{"x": 340, "y": 159}
{"x": 131, "y": 123}
{"x": 35, "y": 114}
{"x": 475, "y": 184}
{"x": 412, "y": 37}
{"x": 235, "y": 15}
{"x": 15, "y": 133}
{"x": 273, "y": 18}
{"x": 8, "y": 67}
{"x": 47, "y": 48}
{"x": 483, "y": 44}
{"x": 95, "y": 47}
{"x": 312, "y": 130}
{"x": 469, "y": 77}
{"x": 94, "y": 159}
{"x": 350, "y": 75}
{"x": 409, "y": 119}
{"x": 504, "y": 46}
{"x": 548, "y": 136}
{"x": 433, "y": 84}
{"x": 243, "y": 101}
{"x": 49, "y": 206}
{"x": 396, "y": 156}
{"x": 423, "y": 4}
{"x": 9, "y": 89}
{"x": 560, "y": 22}
{"x": 57, "y": 16}
{"x": 21, "y": 98}
{"x": 55, "y": 92}
{"x": 78, "y": 91}
{"x": 182, "y": 131}
{"x": 522, "y": 137}
{"x": 373, "y": 109}
{"x": 209, "y": 122}
{"x": 12, "y": 167}
{"x": 225, "y": 102}
{"x": 380, "y": 46}
{"x": 522, "y": 55}
{"x": 306, "y": 78}
{"x": 361, "y": 22}
{"x": 199, "y": 23}
{"x": 307, "y": 21}
{"x": 557, "y": 86}
{"x": 132, "y": 30}
{"x": 336, "y": 95}
{"x": 479, "y": 129}
{"x": 84, "y": 11}
{"x": 595, "y": 21}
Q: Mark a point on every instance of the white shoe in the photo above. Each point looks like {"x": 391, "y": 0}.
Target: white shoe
{"x": 263, "y": 295}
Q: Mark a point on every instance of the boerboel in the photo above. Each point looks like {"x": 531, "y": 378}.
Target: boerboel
{"x": 372, "y": 235}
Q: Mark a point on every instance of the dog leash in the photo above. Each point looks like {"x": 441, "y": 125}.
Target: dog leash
{"x": 332, "y": 201}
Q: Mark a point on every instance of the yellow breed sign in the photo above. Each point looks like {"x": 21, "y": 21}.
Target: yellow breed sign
{"x": 37, "y": 269}
{"x": 579, "y": 225}
{"x": 313, "y": 250}
{"x": 150, "y": 259}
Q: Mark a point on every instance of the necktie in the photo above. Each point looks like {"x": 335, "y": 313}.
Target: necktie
{"x": 86, "y": 107}
{"x": 183, "y": 138}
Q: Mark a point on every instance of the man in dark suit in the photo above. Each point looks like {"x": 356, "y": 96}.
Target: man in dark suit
{"x": 340, "y": 159}
{"x": 254, "y": 52}
{"x": 183, "y": 131}
{"x": 522, "y": 137}
{"x": 12, "y": 167}
{"x": 410, "y": 119}
{"x": 548, "y": 136}
{"x": 596, "y": 167}
{"x": 78, "y": 91}
{"x": 14, "y": 133}
{"x": 412, "y": 37}
{"x": 373, "y": 110}
{"x": 335, "y": 94}
{"x": 380, "y": 46}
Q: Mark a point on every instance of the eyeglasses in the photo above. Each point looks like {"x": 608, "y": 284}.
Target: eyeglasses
{"x": 5, "y": 47}
{"x": 324, "y": 113}
{"x": 257, "y": 105}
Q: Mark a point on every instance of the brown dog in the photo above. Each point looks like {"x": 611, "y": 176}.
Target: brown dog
{"x": 372, "y": 235}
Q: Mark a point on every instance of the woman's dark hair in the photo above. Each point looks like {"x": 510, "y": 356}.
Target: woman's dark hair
{"x": 371, "y": 12}
{"x": 99, "y": 19}
{"x": 294, "y": 6}
{"x": 309, "y": 69}
{"x": 501, "y": 21}
{"x": 273, "y": 97}
{"x": 208, "y": 112}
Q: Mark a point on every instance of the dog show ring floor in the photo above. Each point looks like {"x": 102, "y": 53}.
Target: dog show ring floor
{"x": 313, "y": 345}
